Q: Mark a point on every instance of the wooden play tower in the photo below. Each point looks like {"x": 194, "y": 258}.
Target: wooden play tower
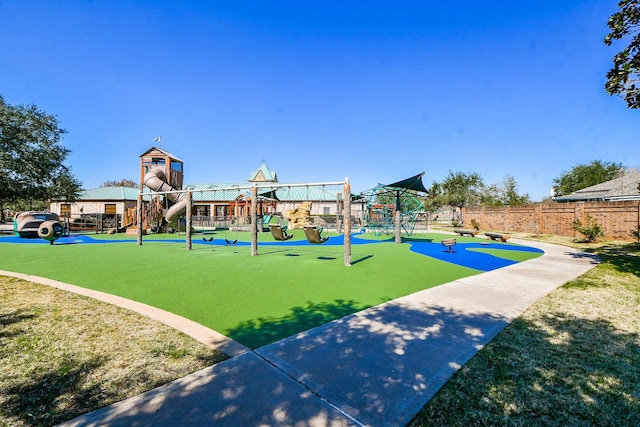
{"x": 172, "y": 166}
{"x": 173, "y": 169}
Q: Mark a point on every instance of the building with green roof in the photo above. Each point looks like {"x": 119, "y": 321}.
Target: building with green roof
{"x": 214, "y": 203}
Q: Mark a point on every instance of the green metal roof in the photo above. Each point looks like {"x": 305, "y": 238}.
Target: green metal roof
{"x": 226, "y": 192}
{"x": 110, "y": 193}
{"x": 267, "y": 174}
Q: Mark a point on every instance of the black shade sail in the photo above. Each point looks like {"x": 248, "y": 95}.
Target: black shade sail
{"x": 413, "y": 183}
{"x": 269, "y": 195}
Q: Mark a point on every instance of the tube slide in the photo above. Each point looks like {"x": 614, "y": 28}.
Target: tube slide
{"x": 155, "y": 180}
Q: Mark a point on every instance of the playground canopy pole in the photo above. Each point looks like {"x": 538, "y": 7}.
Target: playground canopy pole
{"x": 346, "y": 212}
{"x": 254, "y": 221}
{"x": 188, "y": 220}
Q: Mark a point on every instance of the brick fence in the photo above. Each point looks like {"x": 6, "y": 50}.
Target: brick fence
{"x": 617, "y": 219}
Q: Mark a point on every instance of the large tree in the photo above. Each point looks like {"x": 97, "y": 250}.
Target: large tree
{"x": 622, "y": 79}
{"x": 460, "y": 189}
{"x": 32, "y": 169}
{"x": 583, "y": 176}
{"x": 433, "y": 201}
{"x": 504, "y": 193}
{"x": 509, "y": 192}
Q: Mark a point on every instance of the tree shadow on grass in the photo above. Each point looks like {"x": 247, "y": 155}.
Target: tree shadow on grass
{"x": 256, "y": 333}
{"x": 624, "y": 258}
{"x": 7, "y": 319}
{"x": 559, "y": 370}
{"x": 55, "y": 395}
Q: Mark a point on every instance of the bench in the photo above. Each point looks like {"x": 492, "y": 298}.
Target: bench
{"x": 448, "y": 243}
{"x": 462, "y": 232}
{"x": 497, "y": 236}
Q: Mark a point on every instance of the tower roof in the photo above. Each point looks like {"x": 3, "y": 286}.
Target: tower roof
{"x": 263, "y": 174}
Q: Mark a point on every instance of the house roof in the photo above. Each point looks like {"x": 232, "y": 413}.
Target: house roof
{"x": 625, "y": 187}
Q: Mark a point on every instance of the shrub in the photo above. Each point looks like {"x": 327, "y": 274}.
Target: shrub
{"x": 475, "y": 224}
{"x": 590, "y": 229}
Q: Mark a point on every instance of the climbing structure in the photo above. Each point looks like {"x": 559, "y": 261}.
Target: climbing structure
{"x": 394, "y": 207}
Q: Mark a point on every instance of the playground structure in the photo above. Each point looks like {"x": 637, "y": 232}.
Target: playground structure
{"x": 34, "y": 224}
{"x": 299, "y": 216}
{"x": 394, "y": 208}
{"x": 162, "y": 173}
{"x": 155, "y": 179}
{"x": 184, "y": 198}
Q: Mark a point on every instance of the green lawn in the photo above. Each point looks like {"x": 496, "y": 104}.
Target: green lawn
{"x": 571, "y": 359}
{"x": 253, "y": 299}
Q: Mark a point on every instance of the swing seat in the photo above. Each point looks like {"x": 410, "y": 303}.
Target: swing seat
{"x": 207, "y": 240}
{"x": 313, "y": 234}
{"x": 231, "y": 242}
{"x": 279, "y": 232}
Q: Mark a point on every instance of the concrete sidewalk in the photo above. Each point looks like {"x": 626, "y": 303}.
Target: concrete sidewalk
{"x": 375, "y": 367}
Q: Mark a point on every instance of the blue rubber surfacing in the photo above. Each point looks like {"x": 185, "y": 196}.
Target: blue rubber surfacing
{"x": 466, "y": 254}
{"x": 471, "y": 254}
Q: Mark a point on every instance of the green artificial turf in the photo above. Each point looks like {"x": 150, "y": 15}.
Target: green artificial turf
{"x": 518, "y": 256}
{"x": 255, "y": 300}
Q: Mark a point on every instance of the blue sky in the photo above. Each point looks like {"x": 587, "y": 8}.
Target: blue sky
{"x": 373, "y": 91}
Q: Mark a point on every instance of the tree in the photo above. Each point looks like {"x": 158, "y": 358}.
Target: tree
{"x": 622, "y": 79}
{"x": 122, "y": 183}
{"x": 504, "y": 193}
{"x": 583, "y": 176}
{"x": 509, "y": 192}
{"x": 461, "y": 189}
{"x": 491, "y": 195}
{"x": 32, "y": 169}
{"x": 433, "y": 200}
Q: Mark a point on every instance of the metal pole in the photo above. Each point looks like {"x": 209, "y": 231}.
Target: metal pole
{"x": 346, "y": 211}
{"x": 139, "y": 219}
{"x": 188, "y": 221}
{"x": 254, "y": 221}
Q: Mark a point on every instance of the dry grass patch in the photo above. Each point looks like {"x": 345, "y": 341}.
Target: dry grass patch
{"x": 62, "y": 355}
{"x": 570, "y": 360}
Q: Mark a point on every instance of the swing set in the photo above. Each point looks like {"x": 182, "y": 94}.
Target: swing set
{"x": 313, "y": 232}
{"x": 302, "y": 215}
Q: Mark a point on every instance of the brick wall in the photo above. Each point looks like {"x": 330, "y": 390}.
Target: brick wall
{"x": 616, "y": 218}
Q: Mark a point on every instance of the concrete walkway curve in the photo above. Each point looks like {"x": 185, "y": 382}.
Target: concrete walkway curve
{"x": 375, "y": 367}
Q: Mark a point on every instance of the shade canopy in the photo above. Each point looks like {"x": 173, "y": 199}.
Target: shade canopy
{"x": 269, "y": 195}
{"x": 413, "y": 183}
